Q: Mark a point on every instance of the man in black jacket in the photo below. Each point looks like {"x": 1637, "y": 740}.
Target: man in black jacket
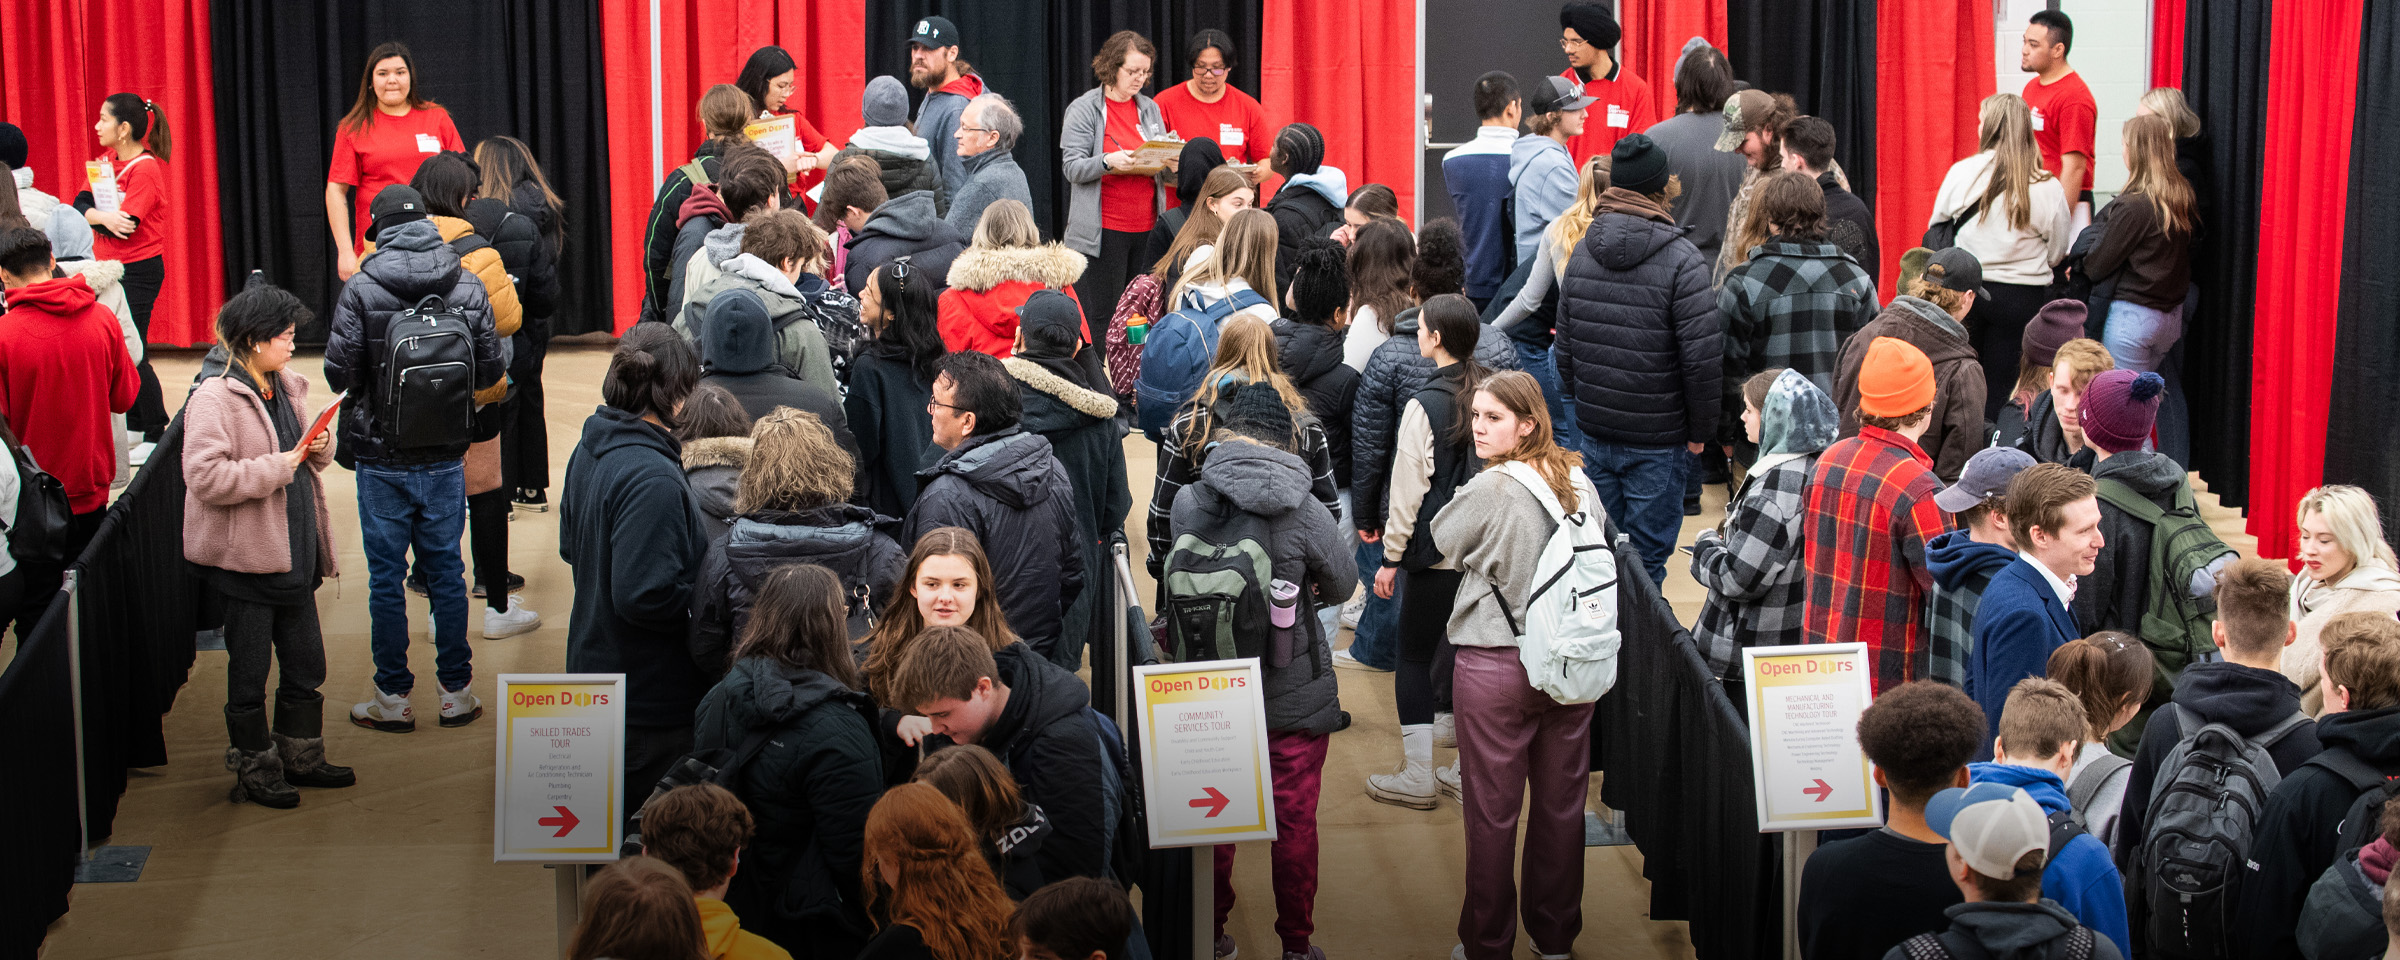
{"x": 408, "y": 497}
{"x": 1808, "y": 148}
{"x": 1004, "y": 485}
{"x": 1641, "y": 347}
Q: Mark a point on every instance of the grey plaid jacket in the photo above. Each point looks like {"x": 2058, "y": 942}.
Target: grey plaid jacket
{"x": 1791, "y": 306}
{"x": 1754, "y": 573}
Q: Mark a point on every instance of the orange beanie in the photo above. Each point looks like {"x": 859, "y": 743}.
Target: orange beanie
{"x": 1895, "y": 379}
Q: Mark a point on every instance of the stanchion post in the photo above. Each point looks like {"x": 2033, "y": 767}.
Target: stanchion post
{"x": 567, "y": 881}
{"x": 1124, "y": 640}
{"x": 1797, "y": 845}
{"x": 83, "y": 816}
{"x": 1204, "y": 903}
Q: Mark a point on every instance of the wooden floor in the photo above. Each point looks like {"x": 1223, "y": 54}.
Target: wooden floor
{"x": 400, "y": 865}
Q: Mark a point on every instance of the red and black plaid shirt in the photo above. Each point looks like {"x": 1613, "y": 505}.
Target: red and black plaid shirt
{"x": 1870, "y": 512}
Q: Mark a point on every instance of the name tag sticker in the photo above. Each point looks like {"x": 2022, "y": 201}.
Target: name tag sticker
{"x": 1228, "y": 135}
{"x": 1619, "y": 116}
{"x": 2037, "y": 121}
{"x": 428, "y": 143}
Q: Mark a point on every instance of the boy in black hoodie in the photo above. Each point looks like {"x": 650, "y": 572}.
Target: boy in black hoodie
{"x": 1860, "y": 896}
{"x": 2303, "y": 818}
{"x": 1999, "y": 841}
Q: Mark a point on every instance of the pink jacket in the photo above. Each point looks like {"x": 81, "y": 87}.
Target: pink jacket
{"x": 234, "y": 478}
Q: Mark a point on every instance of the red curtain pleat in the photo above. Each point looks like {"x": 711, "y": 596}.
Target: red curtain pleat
{"x": 1655, "y": 32}
{"x": 703, "y": 43}
{"x": 1360, "y": 92}
{"x": 1928, "y": 92}
{"x": 2166, "y": 43}
{"x": 2312, "y": 96}
{"x": 58, "y": 58}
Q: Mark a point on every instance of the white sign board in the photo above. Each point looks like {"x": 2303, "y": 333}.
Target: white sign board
{"x": 561, "y": 761}
{"x": 1804, "y": 703}
{"x": 1204, "y": 758}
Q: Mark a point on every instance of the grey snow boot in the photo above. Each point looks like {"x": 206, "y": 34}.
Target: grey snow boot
{"x": 258, "y": 778}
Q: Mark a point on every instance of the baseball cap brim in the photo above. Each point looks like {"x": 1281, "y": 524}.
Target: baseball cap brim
{"x": 1577, "y": 103}
{"x": 1956, "y": 498}
{"x": 1943, "y": 809}
{"x": 1730, "y": 140}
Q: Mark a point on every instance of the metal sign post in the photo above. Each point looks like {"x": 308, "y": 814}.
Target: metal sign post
{"x": 1805, "y": 762}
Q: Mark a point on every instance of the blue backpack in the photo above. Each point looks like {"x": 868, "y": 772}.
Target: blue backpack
{"x": 1177, "y": 355}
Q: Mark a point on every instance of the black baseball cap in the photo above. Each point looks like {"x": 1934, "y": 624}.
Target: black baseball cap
{"x": 934, "y": 33}
{"x": 1552, "y": 94}
{"x": 393, "y": 206}
{"x": 1953, "y": 268}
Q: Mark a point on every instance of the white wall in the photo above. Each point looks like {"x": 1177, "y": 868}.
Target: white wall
{"x": 2112, "y": 51}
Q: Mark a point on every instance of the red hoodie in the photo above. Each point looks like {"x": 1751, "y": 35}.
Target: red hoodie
{"x": 63, "y": 370}
{"x": 703, "y": 202}
{"x": 967, "y": 85}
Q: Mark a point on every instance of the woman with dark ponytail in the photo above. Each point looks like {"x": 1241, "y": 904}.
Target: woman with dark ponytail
{"x": 2110, "y": 672}
{"x": 629, "y": 531}
{"x": 131, "y": 228}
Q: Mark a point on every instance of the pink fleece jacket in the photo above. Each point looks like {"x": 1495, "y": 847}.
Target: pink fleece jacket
{"x": 235, "y": 477}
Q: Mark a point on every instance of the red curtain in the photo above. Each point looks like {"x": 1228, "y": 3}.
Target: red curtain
{"x": 1928, "y": 91}
{"x": 1655, "y": 32}
{"x": 703, "y": 43}
{"x": 2312, "y": 87}
{"x": 2166, "y": 43}
{"x": 58, "y": 58}
{"x": 1360, "y": 92}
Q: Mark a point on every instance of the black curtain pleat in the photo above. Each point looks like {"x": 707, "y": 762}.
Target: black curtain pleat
{"x": 2225, "y": 80}
{"x": 1811, "y": 50}
{"x": 2362, "y": 438}
{"x": 288, "y": 69}
{"x": 1038, "y": 54}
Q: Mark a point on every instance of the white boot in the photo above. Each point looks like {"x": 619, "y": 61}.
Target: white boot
{"x": 1445, "y": 730}
{"x": 1413, "y": 786}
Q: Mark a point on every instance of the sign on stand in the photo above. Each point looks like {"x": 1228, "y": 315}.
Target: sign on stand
{"x": 561, "y": 760}
{"x": 1204, "y": 756}
{"x": 1804, "y": 754}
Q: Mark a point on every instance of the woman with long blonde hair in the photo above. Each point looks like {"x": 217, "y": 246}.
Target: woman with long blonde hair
{"x": 1559, "y": 243}
{"x": 1244, "y": 261}
{"x": 927, "y": 884}
{"x": 2346, "y": 566}
{"x": 2017, "y": 220}
{"x": 2146, "y": 245}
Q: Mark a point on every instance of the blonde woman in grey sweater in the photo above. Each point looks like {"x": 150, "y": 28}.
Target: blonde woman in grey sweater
{"x": 1512, "y": 737}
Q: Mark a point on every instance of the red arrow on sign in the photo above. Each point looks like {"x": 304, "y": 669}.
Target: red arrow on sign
{"x": 565, "y": 821}
{"x": 1214, "y": 803}
{"x": 1820, "y": 791}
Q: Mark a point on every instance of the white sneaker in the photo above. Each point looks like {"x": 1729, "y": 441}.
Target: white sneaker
{"x": 140, "y": 454}
{"x": 518, "y": 618}
{"x": 1343, "y": 658}
{"x": 1445, "y": 730}
{"x": 460, "y": 707}
{"x": 388, "y": 713}
{"x": 1352, "y": 607}
{"x": 1445, "y": 782}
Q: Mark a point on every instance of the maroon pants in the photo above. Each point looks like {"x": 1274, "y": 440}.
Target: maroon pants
{"x": 1297, "y": 762}
{"x": 1511, "y": 736}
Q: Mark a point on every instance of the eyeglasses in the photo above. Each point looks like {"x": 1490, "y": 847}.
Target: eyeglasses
{"x": 1569, "y": 44}
{"x": 1201, "y": 70}
{"x": 930, "y": 404}
{"x": 967, "y": 129}
{"x": 1143, "y": 73}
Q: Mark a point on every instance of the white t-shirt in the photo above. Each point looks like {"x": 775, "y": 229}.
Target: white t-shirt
{"x": 1360, "y": 341}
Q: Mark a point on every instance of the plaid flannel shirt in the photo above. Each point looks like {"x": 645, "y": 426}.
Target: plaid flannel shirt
{"x": 1753, "y": 571}
{"x": 1870, "y": 512}
{"x": 1950, "y": 631}
{"x": 1791, "y": 306}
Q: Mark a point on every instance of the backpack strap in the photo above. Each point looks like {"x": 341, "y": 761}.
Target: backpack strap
{"x": 1925, "y": 946}
{"x": 469, "y": 242}
{"x": 2087, "y": 784}
{"x": 695, "y": 172}
{"x": 1529, "y": 478}
{"x": 2116, "y": 494}
{"x": 2065, "y": 826}
{"x": 2080, "y": 943}
{"x": 751, "y": 745}
{"x": 1245, "y": 299}
{"x": 2271, "y": 736}
{"x": 2342, "y": 763}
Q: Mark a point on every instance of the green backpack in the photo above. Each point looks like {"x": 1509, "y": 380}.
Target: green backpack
{"x": 1218, "y": 577}
{"x": 2175, "y": 624}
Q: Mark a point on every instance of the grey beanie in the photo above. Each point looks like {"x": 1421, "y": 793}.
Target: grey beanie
{"x": 885, "y": 103}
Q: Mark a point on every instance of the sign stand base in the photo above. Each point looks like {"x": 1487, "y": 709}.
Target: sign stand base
{"x": 568, "y": 882}
{"x": 1204, "y": 903}
{"x": 1797, "y": 845}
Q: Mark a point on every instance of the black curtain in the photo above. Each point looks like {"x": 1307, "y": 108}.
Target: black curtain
{"x": 288, "y": 69}
{"x": 40, "y": 845}
{"x": 2225, "y": 80}
{"x": 1038, "y": 54}
{"x": 1812, "y": 49}
{"x": 2362, "y": 438}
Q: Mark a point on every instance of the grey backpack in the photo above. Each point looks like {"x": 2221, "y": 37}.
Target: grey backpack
{"x": 2203, "y": 816}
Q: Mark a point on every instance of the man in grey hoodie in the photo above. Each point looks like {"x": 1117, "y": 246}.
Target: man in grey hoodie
{"x": 949, "y": 81}
{"x": 904, "y": 161}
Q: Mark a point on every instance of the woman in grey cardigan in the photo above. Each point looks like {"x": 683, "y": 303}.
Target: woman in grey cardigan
{"x": 1112, "y": 203}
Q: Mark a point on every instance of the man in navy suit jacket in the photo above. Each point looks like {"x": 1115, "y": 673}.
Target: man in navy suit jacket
{"x": 2054, "y": 511}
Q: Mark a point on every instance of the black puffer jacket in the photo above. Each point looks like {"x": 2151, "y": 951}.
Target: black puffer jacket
{"x": 1312, "y": 356}
{"x": 905, "y": 226}
{"x": 1299, "y": 214}
{"x": 1640, "y": 341}
{"x": 1012, "y": 492}
{"x": 841, "y": 538}
{"x": 1395, "y": 373}
{"x": 1086, "y": 438}
{"x": 1046, "y": 739}
{"x": 809, "y": 790}
{"x": 411, "y": 264}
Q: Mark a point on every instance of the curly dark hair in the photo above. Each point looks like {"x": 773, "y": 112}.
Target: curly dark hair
{"x": 1921, "y": 734}
{"x": 1441, "y": 265}
{"x": 1320, "y": 281}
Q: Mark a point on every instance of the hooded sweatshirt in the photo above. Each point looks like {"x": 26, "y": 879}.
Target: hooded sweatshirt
{"x": 726, "y": 938}
{"x": 740, "y": 349}
{"x": 2113, "y": 595}
{"x": 1957, "y": 430}
{"x": 904, "y": 161}
{"x": 992, "y": 176}
{"x": 2370, "y": 587}
{"x": 801, "y": 347}
{"x": 628, "y": 529}
{"x": 1542, "y": 178}
{"x": 937, "y": 122}
{"x": 1962, "y": 567}
{"x": 2297, "y": 831}
{"x": 65, "y": 371}
{"x": 1306, "y": 548}
{"x": 1752, "y": 566}
{"x": 1307, "y": 205}
{"x": 1045, "y": 736}
{"x": 2250, "y": 700}
{"x": 70, "y": 234}
{"x": 1639, "y": 336}
{"x": 2017, "y": 931}
{"x": 2080, "y": 878}
{"x": 703, "y": 214}
{"x": 1011, "y": 491}
{"x": 1311, "y": 354}
{"x": 905, "y": 226}
{"x": 840, "y": 537}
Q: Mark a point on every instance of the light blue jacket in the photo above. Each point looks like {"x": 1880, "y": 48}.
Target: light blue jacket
{"x": 1544, "y": 179}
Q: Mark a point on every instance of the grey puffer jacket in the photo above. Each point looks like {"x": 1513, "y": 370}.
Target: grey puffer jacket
{"x": 840, "y": 537}
{"x": 1640, "y": 341}
{"x": 410, "y": 264}
{"x": 1307, "y": 549}
{"x": 1395, "y": 373}
{"x": 1012, "y": 492}
{"x": 1081, "y": 144}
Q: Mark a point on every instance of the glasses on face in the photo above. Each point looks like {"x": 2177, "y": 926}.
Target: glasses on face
{"x": 1571, "y": 44}
{"x": 966, "y": 129}
{"x": 930, "y": 404}
{"x": 1141, "y": 74}
{"x": 1205, "y": 70}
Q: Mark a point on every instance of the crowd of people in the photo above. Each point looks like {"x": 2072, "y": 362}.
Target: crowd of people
{"x": 849, "y": 511}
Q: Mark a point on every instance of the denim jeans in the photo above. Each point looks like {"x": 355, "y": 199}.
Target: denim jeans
{"x": 420, "y": 507}
{"x": 2138, "y": 336}
{"x": 1375, "y": 641}
{"x": 1544, "y": 367}
{"x": 1642, "y": 489}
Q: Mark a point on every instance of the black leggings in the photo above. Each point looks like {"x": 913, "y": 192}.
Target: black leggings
{"x": 142, "y": 280}
{"x": 1104, "y": 277}
{"x": 1424, "y": 642}
{"x": 525, "y": 436}
{"x": 487, "y": 541}
{"x": 259, "y": 636}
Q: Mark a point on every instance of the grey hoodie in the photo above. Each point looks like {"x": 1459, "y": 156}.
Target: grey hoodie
{"x": 799, "y": 346}
{"x": 905, "y": 225}
{"x": 2015, "y": 931}
{"x": 1542, "y": 175}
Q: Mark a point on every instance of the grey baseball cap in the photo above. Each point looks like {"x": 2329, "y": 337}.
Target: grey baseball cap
{"x": 1986, "y": 475}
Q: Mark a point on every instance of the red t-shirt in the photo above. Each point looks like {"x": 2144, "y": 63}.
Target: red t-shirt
{"x": 387, "y": 151}
{"x": 1128, "y": 201}
{"x": 1236, "y": 122}
{"x": 2065, "y": 119}
{"x": 1621, "y": 104}
{"x": 142, "y": 189}
{"x": 811, "y": 141}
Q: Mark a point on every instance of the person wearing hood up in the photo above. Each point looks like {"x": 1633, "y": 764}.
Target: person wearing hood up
{"x": 1113, "y": 200}
{"x": 904, "y": 226}
{"x": 740, "y": 351}
{"x": 1538, "y": 163}
{"x": 781, "y": 257}
{"x": 1999, "y": 846}
{"x": 1066, "y": 405}
{"x": 701, "y": 830}
{"x": 1252, "y": 469}
{"x": 1641, "y": 347}
{"x": 987, "y": 148}
{"x": 1310, "y": 201}
{"x": 2345, "y": 566}
{"x": 1752, "y": 565}
{"x": 1006, "y": 486}
{"x": 1007, "y": 265}
{"x": 2041, "y": 730}
{"x": 2022, "y": 617}
{"x": 2118, "y": 413}
{"x": 750, "y": 179}
{"x": 1930, "y": 317}
{"x": 1964, "y": 559}
{"x": 950, "y": 83}
{"x": 904, "y": 160}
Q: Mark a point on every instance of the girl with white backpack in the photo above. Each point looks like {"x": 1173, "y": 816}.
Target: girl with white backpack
{"x": 1535, "y": 626}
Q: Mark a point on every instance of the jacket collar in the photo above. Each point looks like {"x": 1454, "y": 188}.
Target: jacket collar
{"x": 2048, "y": 578}
{"x": 1875, "y": 434}
{"x": 1086, "y": 401}
{"x": 1925, "y": 310}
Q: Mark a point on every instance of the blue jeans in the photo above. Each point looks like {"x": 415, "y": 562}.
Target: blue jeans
{"x": 1375, "y": 641}
{"x": 1642, "y": 489}
{"x": 2138, "y": 336}
{"x": 422, "y": 507}
{"x": 1544, "y": 367}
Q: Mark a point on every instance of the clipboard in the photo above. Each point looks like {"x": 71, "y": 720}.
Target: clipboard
{"x": 1151, "y": 157}
{"x": 777, "y": 135}
{"x": 324, "y": 420}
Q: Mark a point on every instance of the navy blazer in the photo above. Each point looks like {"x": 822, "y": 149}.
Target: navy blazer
{"x": 2018, "y": 622}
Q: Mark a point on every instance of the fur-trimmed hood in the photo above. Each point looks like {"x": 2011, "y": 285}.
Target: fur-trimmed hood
{"x": 1085, "y": 401}
{"x": 716, "y": 452}
{"x": 982, "y": 268}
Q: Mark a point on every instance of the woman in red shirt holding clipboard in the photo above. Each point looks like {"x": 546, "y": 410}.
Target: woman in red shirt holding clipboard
{"x": 126, "y": 204}
{"x": 769, "y": 78}
{"x": 380, "y": 142}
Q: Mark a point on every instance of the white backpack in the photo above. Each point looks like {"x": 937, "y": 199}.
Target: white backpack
{"x": 1569, "y": 638}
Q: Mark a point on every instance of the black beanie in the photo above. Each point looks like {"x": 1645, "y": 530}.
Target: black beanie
{"x": 1256, "y": 410}
{"x": 1637, "y": 164}
{"x": 13, "y": 147}
{"x": 1593, "y": 22}
{"x": 1303, "y": 145}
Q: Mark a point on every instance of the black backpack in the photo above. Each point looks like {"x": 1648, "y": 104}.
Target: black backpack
{"x": 429, "y": 377}
{"x": 1949, "y": 944}
{"x": 38, "y": 533}
{"x": 2203, "y": 815}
